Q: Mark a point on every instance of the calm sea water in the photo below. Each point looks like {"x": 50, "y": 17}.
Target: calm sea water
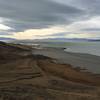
{"x": 87, "y": 47}
{"x": 76, "y": 47}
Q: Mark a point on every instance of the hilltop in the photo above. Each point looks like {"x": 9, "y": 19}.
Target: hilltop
{"x": 26, "y": 76}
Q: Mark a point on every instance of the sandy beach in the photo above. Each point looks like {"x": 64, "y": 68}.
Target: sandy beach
{"x": 90, "y": 62}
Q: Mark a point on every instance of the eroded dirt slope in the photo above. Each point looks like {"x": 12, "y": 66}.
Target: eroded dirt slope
{"x": 24, "y": 76}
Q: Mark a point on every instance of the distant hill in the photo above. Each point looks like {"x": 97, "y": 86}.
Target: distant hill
{"x": 57, "y": 40}
{"x": 68, "y": 39}
{"x": 6, "y": 39}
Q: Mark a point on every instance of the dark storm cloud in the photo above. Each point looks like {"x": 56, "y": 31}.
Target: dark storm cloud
{"x": 36, "y": 14}
{"x": 91, "y": 29}
{"x": 25, "y": 14}
{"x": 92, "y": 7}
{"x": 59, "y": 34}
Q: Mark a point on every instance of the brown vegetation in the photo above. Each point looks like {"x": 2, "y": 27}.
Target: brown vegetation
{"x": 24, "y": 76}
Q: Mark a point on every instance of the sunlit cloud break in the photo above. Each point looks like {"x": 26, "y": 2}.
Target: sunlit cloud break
{"x": 37, "y": 33}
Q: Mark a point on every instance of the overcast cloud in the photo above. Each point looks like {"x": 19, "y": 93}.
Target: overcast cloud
{"x": 75, "y": 16}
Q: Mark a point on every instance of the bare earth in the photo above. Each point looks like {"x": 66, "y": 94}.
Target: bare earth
{"x": 87, "y": 61}
{"x": 25, "y": 75}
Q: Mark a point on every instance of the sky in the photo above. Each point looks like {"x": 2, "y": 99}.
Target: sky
{"x": 39, "y": 19}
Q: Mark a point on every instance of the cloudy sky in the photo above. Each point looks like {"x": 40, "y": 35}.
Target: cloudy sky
{"x": 31, "y": 19}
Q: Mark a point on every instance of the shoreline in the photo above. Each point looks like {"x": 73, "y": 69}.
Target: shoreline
{"x": 87, "y": 61}
{"x": 28, "y": 76}
{"x": 82, "y": 53}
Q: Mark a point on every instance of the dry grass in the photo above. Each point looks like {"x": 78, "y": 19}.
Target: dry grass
{"x": 36, "y": 77}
